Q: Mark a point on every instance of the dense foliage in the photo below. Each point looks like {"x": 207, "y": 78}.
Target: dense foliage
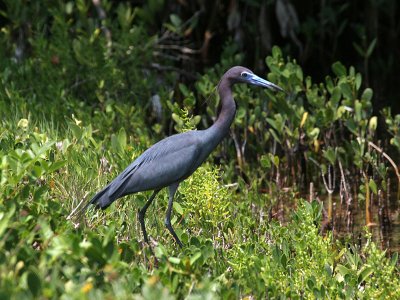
{"x": 92, "y": 91}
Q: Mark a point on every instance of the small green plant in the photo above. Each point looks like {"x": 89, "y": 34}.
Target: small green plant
{"x": 204, "y": 198}
{"x": 393, "y": 124}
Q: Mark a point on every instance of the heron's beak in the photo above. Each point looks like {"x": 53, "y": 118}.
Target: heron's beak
{"x": 255, "y": 80}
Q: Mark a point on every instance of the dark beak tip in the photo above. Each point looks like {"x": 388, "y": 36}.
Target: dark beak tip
{"x": 277, "y": 88}
{"x": 282, "y": 90}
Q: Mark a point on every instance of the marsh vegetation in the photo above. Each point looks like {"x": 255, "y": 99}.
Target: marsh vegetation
{"x": 300, "y": 201}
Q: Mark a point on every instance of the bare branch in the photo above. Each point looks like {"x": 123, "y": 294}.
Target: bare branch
{"x": 174, "y": 69}
{"x": 389, "y": 159}
{"x": 327, "y": 186}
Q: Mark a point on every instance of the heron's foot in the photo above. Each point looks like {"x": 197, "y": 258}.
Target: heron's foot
{"x": 172, "y": 231}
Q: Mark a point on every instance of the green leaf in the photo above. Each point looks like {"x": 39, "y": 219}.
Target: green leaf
{"x": 178, "y": 208}
{"x": 56, "y": 165}
{"x": 275, "y": 160}
{"x": 5, "y": 219}
{"x": 335, "y": 96}
{"x": 196, "y": 120}
{"x": 34, "y": 283}
{"x": 174, "y": 260}
{"x": 265, "y": 161}
{"x": 371, "y": 48}
{"x": 328, "y": 269}
{"x": 373, "y": 123}
{"x": 160, "y": 251}
{"x": 330, "y": 155}
{"x": 303, "y": 119}
{"x": 346, "y": 90}
{"x": 342, "y": 270}
{"x": 189, "y": 101}
{"x": 184, "y": 90}
{"x": 339, "y": 69}
{"x": 122, "y": 138}
{"x": 358, "y": 111}
{"x": 177, "y": 119}
{"x": 308, "y": 82}
{"x": 358, "y": 81}
{"x": 241, "y": 113}
{"x": 23, "y": 123}
{"x": 115, "y": 144}
{"x": 275, "y": 136}
{"x": 373, "y": 186}
{"x": 359, "y": 49}
{"x": 195, "y": 257}
{"x": 367, "y": 94}
{"x": 299, "y": 73}
{"x": 175, "y": 20}
{"x": 364, "y": 273}
{"x": 314, "y": 133}
{"x": 76, "y": 130}
{"x": 69, "y": 6}
{"x": 310, "y": 283}
{"x": 276, "y": 52}
{"x": 352, "y": 71}
{"x": 95, "y": 253}
{"x": 329, "y": 84}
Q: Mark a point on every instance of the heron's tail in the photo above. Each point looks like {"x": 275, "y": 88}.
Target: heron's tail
{"x": 101, "y": 199}
{"x": 105, "y": 197}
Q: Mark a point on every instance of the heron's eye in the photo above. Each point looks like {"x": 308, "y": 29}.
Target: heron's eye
{"x": 244, "y": 74}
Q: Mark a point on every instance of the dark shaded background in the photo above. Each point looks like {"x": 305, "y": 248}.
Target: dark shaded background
{"x": 315, "y": 33}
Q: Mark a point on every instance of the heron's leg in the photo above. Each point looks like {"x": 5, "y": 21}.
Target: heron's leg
{"x": 172, "y": 190}
{"x": 142, "y": 213}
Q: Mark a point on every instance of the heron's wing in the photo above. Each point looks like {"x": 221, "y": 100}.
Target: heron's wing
{"x": 168, "y": 161}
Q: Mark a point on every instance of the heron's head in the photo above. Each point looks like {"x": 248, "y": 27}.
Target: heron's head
{"x": 243, "y": 75}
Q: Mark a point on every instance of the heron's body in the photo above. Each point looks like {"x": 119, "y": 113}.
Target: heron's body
{"x": 175, "y": 158}
{"x": 169, "y": 161}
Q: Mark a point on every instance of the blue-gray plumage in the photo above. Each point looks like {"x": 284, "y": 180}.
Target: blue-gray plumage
{"x": 175, "y": 158}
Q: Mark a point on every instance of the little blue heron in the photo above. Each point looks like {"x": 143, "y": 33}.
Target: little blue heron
{"x": 173, "y": 159}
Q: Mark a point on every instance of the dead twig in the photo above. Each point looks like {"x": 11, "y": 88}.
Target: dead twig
{"x": 174, "y": 69}
{"x": 77, "y": 207}
{"x": 389, "y": 159}
{"x": 328, "y": 185}
{"x": 344, "y": 183}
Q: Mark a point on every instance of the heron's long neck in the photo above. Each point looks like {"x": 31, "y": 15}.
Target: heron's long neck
{"x": 224, "y": 120}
